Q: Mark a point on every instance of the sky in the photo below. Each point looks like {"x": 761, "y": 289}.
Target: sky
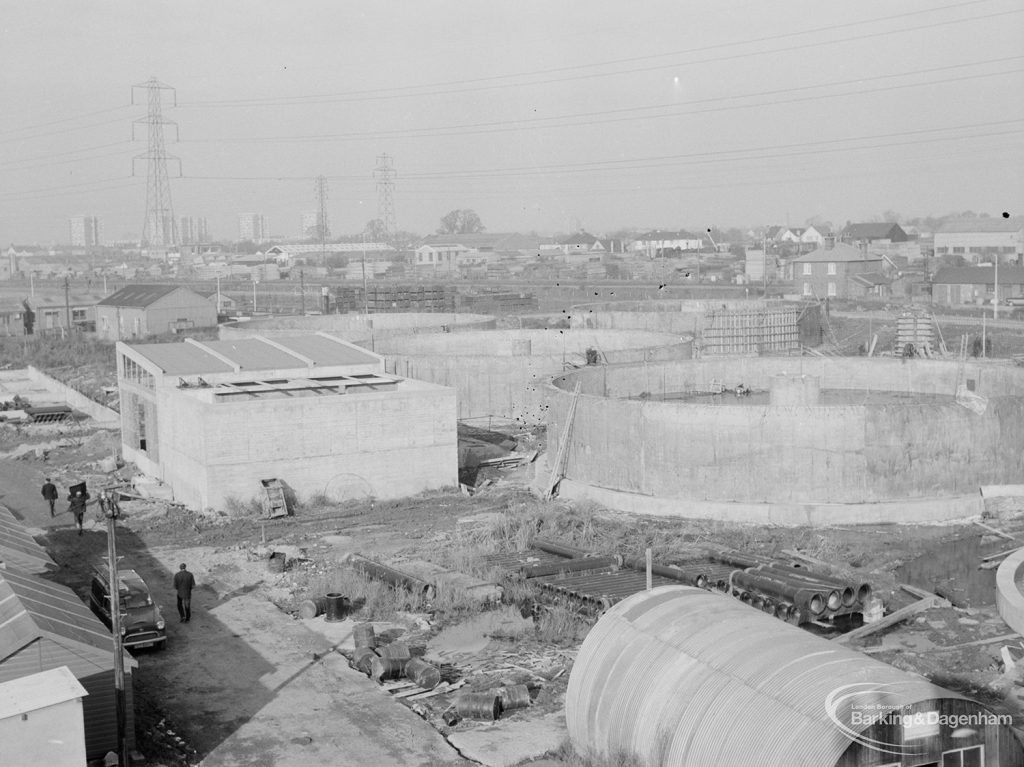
{"x": 539, "y": 116}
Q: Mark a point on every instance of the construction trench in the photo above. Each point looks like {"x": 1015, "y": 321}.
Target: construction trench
{"x": 846, "y": 449}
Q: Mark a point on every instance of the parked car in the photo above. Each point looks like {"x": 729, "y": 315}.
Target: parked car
{"x": 142, "y": 624}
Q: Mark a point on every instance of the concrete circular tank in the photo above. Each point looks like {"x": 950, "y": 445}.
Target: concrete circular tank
{"x": 887, "y": 440}
{"x": 499, "y": 373}
{"x": 720, "y": 327}
{"x": 357, "y": 327}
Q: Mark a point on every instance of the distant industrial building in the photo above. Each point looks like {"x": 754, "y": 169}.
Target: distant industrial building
{"x": 86, "y": 231}
{"x": 957, "y": 285}
{"x": 137, "y": 311}
{"x": 214, "y": 419}
{"x": 982, "y": 239}
{"x": 252, "y": 227}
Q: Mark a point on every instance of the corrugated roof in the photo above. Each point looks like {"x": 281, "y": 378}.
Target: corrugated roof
{"x": 18, "y": 548}
{"x": 979, "y": 275}
{"x": 255, "y": 354}
{"x": 840, "y": 252}
{"x": 139, "y": 296}
{"x": 981, "y": 225}
{"x": 682, "y": 676}
{"x": 31, "y": 607}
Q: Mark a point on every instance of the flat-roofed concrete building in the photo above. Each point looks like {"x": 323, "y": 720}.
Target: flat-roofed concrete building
{"x": 213, "y": 419}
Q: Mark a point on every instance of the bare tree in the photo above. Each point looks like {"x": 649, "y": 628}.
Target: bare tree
{"x": 462, "y": 221}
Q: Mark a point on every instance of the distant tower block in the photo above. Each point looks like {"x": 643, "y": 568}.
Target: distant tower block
{"x": 794, "y": 390}
{"x": 160, "y": 227}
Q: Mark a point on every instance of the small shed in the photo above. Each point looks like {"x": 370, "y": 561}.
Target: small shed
{"x": 689, "y": 678}
{"x": 43, "y": 626}
{"x": 41, "y": 720}
{"x": 138, "y": 310}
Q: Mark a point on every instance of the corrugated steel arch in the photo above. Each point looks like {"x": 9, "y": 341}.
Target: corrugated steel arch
{"x": 682, "y": 676}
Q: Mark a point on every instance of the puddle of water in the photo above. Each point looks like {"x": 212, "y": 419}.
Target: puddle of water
{"x": 472, "y": 636}
{"x": 950, "y": 569}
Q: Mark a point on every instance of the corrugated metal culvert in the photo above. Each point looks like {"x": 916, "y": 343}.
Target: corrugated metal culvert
{"x": 689, "y": 678}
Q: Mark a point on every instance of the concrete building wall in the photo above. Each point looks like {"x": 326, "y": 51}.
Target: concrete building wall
{"x": 353, "y": 327}
{"x": 838, "y": 454}
{"x": 395, "y": 443}
{"x": 500, "y": 373}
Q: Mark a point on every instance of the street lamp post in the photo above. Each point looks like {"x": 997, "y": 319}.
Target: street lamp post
{"x": 111, "y": 510}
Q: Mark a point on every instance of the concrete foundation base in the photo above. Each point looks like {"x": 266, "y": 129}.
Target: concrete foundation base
{"x": 901, "y": 512}
{"x": 1009, "y": 599}
{"x": 512, "y": 741}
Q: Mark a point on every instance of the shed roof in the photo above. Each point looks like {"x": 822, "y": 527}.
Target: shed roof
{"x": 138, "y": 296}
{"x": 36, "y": 691}
{"x": 701, "y": 678}
{"x": 18, "y": 548}
{"x": 31, "y": 608}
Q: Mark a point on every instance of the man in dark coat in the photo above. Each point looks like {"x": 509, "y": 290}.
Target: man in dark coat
{"x": 184, "y": 582}
{"x": 50, "y": 494}
{"x": 78, "y": 504}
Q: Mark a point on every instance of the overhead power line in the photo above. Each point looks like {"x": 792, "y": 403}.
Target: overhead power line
{"x": 614, "y": 115}
{"x": 36, "y": 126}
{"x": 501, "y": 81}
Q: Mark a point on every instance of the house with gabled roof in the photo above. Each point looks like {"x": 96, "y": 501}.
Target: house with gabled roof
{"x": 828, "y": 272}
{"x": 139, "y": 310}
{"x": 884, "y": 232}
{"x": 44, "y": 625}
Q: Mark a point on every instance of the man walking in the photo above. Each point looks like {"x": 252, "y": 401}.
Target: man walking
{"x": 50, "y": 494}
{"x": 77, "y": 508}
{"x": 184, "y": 582}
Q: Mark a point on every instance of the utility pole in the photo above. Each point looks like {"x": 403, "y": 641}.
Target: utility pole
{"x": 995, "y": 280}
{"x": 321, "y": 216}
{"x": 385, "y": 176}
{"x": 67, "y": 304}
{"x": 111, "y": 510}
{"x": 366, "y": 306}
{"x": 159, "y": 227}
{"x": 302, "y": 292}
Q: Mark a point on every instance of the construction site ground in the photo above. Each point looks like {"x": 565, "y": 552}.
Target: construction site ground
{"x": 248, "y": 682}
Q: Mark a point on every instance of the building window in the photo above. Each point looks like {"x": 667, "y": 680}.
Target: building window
{"x": 807, "y": 270}
{"x": 958, "y": 251}
{"x": 942, "y": 251}
{"x": 832, "y": 289}
{"x": 807, "y": 289}
{"x": 832, "y": 268}
{"x": 973, "y": 756}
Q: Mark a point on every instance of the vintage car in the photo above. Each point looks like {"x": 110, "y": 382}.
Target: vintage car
{"x": 142, "y": 625}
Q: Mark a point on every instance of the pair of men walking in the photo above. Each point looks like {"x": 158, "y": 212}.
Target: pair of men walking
{"x": 78, "y": 500}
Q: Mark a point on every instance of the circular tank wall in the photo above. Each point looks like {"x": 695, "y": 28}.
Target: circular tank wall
{"x": 499, "y": 373}
{"x": 887, "y": 441}
{"x": 357, "y": 327}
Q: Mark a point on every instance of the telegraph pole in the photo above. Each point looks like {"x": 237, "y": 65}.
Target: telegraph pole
{"x": 67, "y": 304}
{"x": 111, "y": 510}
{"x": 321, "y": 195}
{"x": 302, "y": 292}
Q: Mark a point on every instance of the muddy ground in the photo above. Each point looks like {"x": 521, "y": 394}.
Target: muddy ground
{"x": 214, "y": 694}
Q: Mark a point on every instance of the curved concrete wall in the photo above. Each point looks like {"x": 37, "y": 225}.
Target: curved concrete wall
{"x": 796, "y": 463}
{"x": 357, "y": 327}
{"x": 660, "y": 316}
{"x": 1009, "y": 600}
{"x": 499, "y": 373}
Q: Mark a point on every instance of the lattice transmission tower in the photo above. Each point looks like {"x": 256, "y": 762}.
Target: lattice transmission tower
{"x": 159, "y": 227}
{"x": 385, "y": 176}
{"x": 323, "y": 229}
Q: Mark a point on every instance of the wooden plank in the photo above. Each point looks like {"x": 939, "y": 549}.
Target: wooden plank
{"x": 414, "y": 690}
{"x": 992, "y": 530}
{"x": 892, "y": 619}
{"x": 1000, "y": 555}
{"x": 437, "y": 691}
